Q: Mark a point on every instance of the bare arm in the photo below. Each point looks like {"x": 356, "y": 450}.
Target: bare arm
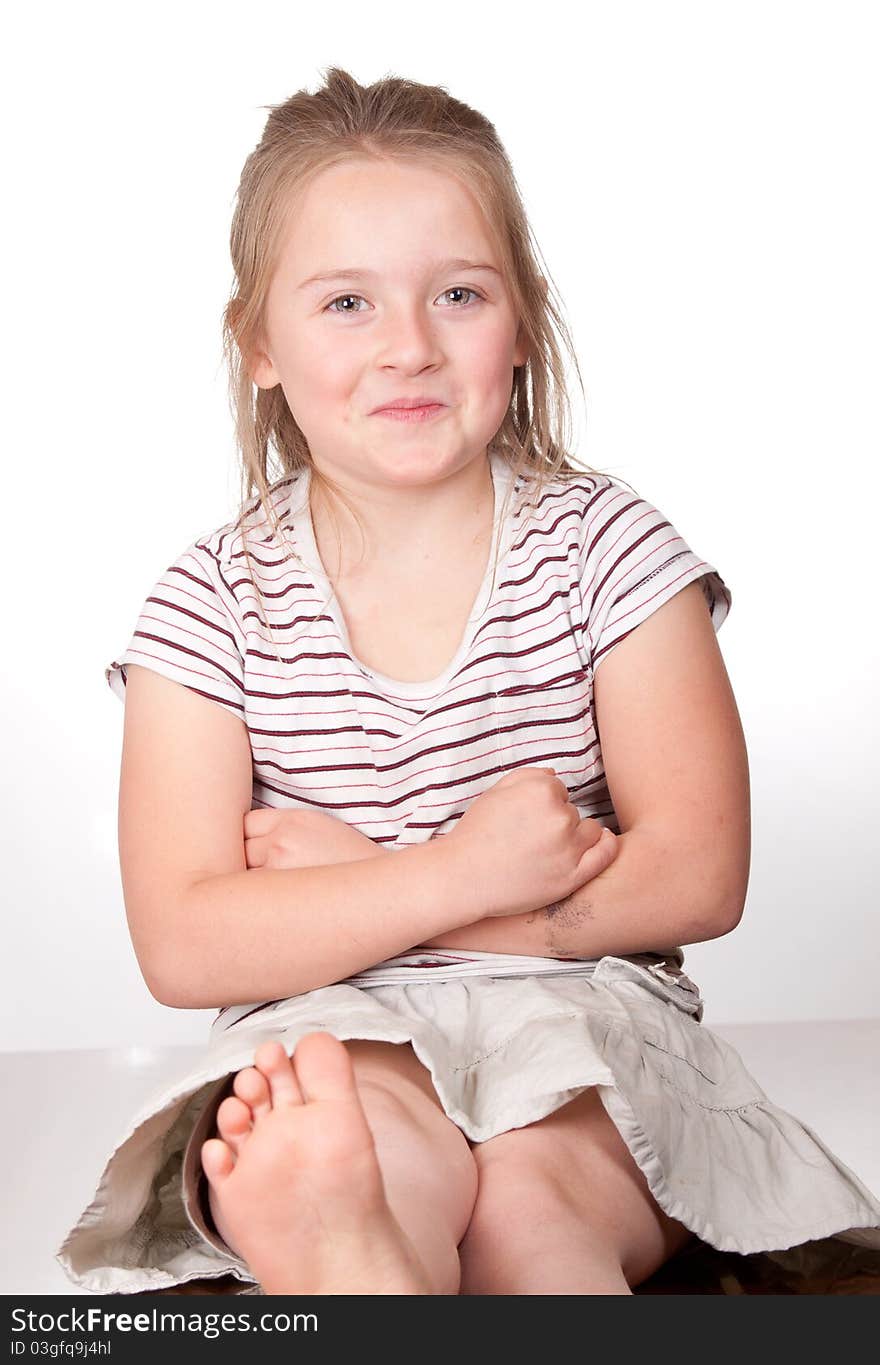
{"x": 296, "y": 838}
{"x": 651, "y": 898}
{"x": 267, "y": 933}
{"x": 207, "y": 930}
{"x": 658, "y": 892}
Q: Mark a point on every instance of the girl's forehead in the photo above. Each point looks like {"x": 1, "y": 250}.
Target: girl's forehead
{"x": 343, "y": 202}
{"x": 366, "y": 221}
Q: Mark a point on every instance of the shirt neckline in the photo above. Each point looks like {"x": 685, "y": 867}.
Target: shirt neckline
{"x": 503, "y": 526}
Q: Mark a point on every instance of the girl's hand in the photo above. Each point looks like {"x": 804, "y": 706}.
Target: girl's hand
{"x": 524, "y": 845}
{"x": 302, "y": 838}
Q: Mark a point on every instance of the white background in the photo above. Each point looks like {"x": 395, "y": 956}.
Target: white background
{"x": 701, "y": 179}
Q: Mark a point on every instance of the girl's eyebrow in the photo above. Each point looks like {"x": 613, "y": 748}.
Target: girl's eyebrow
{"x": 357, "y": 273}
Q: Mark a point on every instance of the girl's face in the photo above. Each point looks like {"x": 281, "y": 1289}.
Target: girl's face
{"x": 402, "y": 318}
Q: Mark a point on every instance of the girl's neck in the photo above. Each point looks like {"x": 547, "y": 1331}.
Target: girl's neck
{"x": 405, "y": 531}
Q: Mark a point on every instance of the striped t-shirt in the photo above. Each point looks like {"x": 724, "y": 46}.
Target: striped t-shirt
{"x": 577, "y": 571}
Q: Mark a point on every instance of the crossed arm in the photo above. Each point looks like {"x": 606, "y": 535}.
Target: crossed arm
{"x": 647, "y": 900}
{"x": 296, "y": 838}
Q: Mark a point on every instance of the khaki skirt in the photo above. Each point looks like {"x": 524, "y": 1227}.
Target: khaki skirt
{"x": 503, "y": 1051}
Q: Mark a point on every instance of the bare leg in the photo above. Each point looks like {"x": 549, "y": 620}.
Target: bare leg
{"x": 296, "y": 1187}
{"x": 559, "y": 1255}
{"x": 562, "y": 1208}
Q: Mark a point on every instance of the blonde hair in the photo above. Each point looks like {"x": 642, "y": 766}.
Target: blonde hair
{"x": 400, "y": 119}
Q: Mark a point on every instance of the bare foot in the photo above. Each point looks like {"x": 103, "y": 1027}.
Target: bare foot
{"x": 296, "y": 1187}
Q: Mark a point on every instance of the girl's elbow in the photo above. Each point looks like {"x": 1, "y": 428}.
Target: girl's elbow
{"x": 729, "y": 899}
{"x": 725, "y": 920}
{"x": 163, "y": 991}
{"x": 167, "y": 989}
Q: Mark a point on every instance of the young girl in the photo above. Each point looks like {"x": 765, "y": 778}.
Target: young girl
{"x": 431, "y": 764}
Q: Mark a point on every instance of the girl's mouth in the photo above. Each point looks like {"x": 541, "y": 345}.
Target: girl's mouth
{"x": 423, "y": 414}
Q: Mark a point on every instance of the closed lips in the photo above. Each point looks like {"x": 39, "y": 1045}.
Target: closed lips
{"x": 410, "y": 403}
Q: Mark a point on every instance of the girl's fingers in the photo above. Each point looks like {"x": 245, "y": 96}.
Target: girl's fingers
{"x": 256, "y": 851}
{"x": 608, "y": 844}
{"x": 598, "y": 856}
{"x": 257, "y": 822}
{"x": 607, "y": 838}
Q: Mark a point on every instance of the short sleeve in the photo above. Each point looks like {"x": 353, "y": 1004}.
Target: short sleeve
{"x": 188, "y": 630}
{"x": 634, "y": 560}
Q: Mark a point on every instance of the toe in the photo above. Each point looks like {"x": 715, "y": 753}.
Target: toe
{"x": 217, "y": 1161}
{"x": 272, "y": 1060}
{"x": 324, "y": 1069}
{"x": 251, "y": 1086}
{"x": 234, "y": 1123}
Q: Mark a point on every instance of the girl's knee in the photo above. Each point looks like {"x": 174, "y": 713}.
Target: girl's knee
{"x": 428, "y": 1171}
{"x": 426, "y": 1161}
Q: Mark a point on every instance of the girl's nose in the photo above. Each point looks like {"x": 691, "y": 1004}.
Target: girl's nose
{"x": 409, "y": 339}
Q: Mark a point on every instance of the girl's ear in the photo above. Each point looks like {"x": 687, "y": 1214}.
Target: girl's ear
{"x": 261, "y": 369}
{"x": 521, "y": 348}
{"x": 255, "y": 356}
{"x": 521, "y": 351}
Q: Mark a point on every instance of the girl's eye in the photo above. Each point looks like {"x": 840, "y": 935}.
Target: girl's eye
{"x": 339, "y": 300}
{"x": 454, "y": 289}
{"x": 461, "y": 289}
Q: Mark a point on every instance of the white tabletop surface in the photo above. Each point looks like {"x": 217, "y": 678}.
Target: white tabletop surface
{"x": 66, "y": 1109}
